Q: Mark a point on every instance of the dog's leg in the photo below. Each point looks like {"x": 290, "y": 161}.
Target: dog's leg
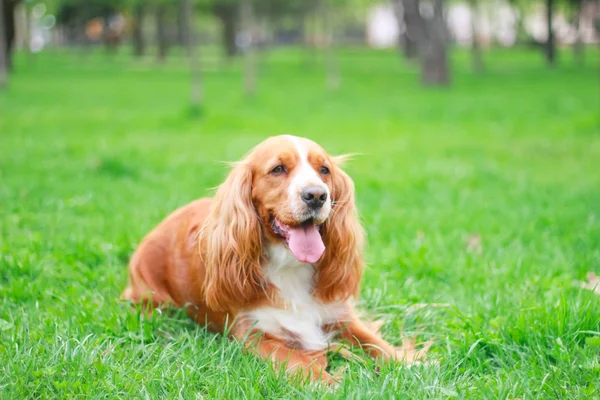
{"x": 296, "y": 361}
{"x": 358, "y": 334}
{"x": 146, "y": 284}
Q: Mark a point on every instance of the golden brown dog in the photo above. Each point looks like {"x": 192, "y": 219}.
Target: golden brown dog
{"x": 275, "y": 258}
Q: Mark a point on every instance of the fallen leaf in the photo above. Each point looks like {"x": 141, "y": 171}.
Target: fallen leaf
{"x": 110, "y": 349}
{"x": 474, "y": 244}
{"x": 593, "y": 283}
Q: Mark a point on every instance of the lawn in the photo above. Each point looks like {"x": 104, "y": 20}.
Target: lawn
{"x": 481, "y": 204}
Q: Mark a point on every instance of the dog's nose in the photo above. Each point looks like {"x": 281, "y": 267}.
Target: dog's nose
{"x": 314, "y": 196}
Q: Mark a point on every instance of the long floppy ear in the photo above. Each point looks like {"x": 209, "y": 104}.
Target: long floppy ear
{"x": 340, "y": 269}
{"x": 231, "y": 244}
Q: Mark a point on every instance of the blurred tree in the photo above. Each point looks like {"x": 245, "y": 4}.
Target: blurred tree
{"x": 185, "y": 21}
{"x": 578, "y": 48}
{"x": 191, "y": 44}
{"x": 7, "y": 24}
{"x": 182, "y": 29}
{"x": 271, "y": 12}
{"x": 414, "y": 25}
{"x": 162, "y": 42}
{"x": 550, "y": 41}
{"x": 3, "y": 51}
{"x": 247, "y": 18}
{"x": 26, "y": 26}
{"x": 227, "y": 12}
{"x": 332, "y": 69}
{"x": 434, "y": 48}
{"x": 90, "y": 20}
{"x": 69, "y": 14}
{"x": 298, "y": 21}
{"x": 426, "y": 38}
{"x": 519, "y": 8}
{"x": 137, "y": 32}
{"x": 476, "y": 54}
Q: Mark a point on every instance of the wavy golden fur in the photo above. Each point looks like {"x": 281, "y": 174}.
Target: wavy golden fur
{"x": 340, "y": 269}
{"x": 231, "y": 245}
{"x": 236, "y": 257}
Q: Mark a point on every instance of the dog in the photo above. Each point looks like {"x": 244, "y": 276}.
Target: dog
{"x": 274, "y": 259}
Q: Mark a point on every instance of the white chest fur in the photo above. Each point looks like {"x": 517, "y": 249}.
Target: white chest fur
{"x": 301, "y": 319}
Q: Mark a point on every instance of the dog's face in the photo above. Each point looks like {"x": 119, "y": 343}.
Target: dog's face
{"x": 291, "y": 191}
{"x": 287, "y": 191}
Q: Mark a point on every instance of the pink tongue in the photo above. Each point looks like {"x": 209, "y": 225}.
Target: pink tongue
{"x": 305, "y": 243}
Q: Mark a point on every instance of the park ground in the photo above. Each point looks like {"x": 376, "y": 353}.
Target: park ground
{"x": 481, "y": 203}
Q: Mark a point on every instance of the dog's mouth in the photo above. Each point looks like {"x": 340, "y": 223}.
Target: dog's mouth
{"x": 304, "y": 240}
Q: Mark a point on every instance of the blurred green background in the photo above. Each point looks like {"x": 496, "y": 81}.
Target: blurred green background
{"x": 478, "y": 188}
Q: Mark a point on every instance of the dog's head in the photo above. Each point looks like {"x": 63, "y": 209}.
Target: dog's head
{"x": 287, "y": 191}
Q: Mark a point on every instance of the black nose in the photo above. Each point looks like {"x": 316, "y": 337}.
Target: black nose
{"x": 314, "y": 196}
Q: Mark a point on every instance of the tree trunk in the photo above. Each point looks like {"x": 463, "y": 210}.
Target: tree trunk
{"x": 3, "y": 51}
{"x": 27, "y": 29}
{"x": 109, "y": 37}
{"x": 229, "y": 32}
{"x": 550, "y": 42}
{"x": 311, "y": 36}
{"x": 522, "y": 35}
{"x": 137, "y": 34}
{"x": 196, "y": 89}
{"x": 332, "y": 70}
{"x": 8, "y": 25}
{"x": 227, "y": 13}
{"x": 413, "y": 22}
{"x": 249, "y": 56}
{"x": 308, "y": 39}
{"x": 161, "y": 31}
{"x": 434, "y": 58}
{"x": 264, "y": 44}
{"x": 578, "y": 50}
{"x": 476, "y": 56}
{"x": 180, "y": 25}
{"x": 184, "y": 20}
{"x": 399, "y": 14}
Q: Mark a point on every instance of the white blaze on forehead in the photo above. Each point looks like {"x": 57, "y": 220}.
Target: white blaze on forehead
{"x": 305, "y": 175}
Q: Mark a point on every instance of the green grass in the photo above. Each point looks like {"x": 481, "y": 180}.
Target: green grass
{"x": 95, "y": 151}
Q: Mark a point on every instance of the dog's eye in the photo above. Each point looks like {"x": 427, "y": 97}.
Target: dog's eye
{"x": 278, "y": 170}
{"x": 324, "y": 170}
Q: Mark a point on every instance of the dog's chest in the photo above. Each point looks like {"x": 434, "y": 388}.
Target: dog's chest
{"x": 300, "y": 318}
